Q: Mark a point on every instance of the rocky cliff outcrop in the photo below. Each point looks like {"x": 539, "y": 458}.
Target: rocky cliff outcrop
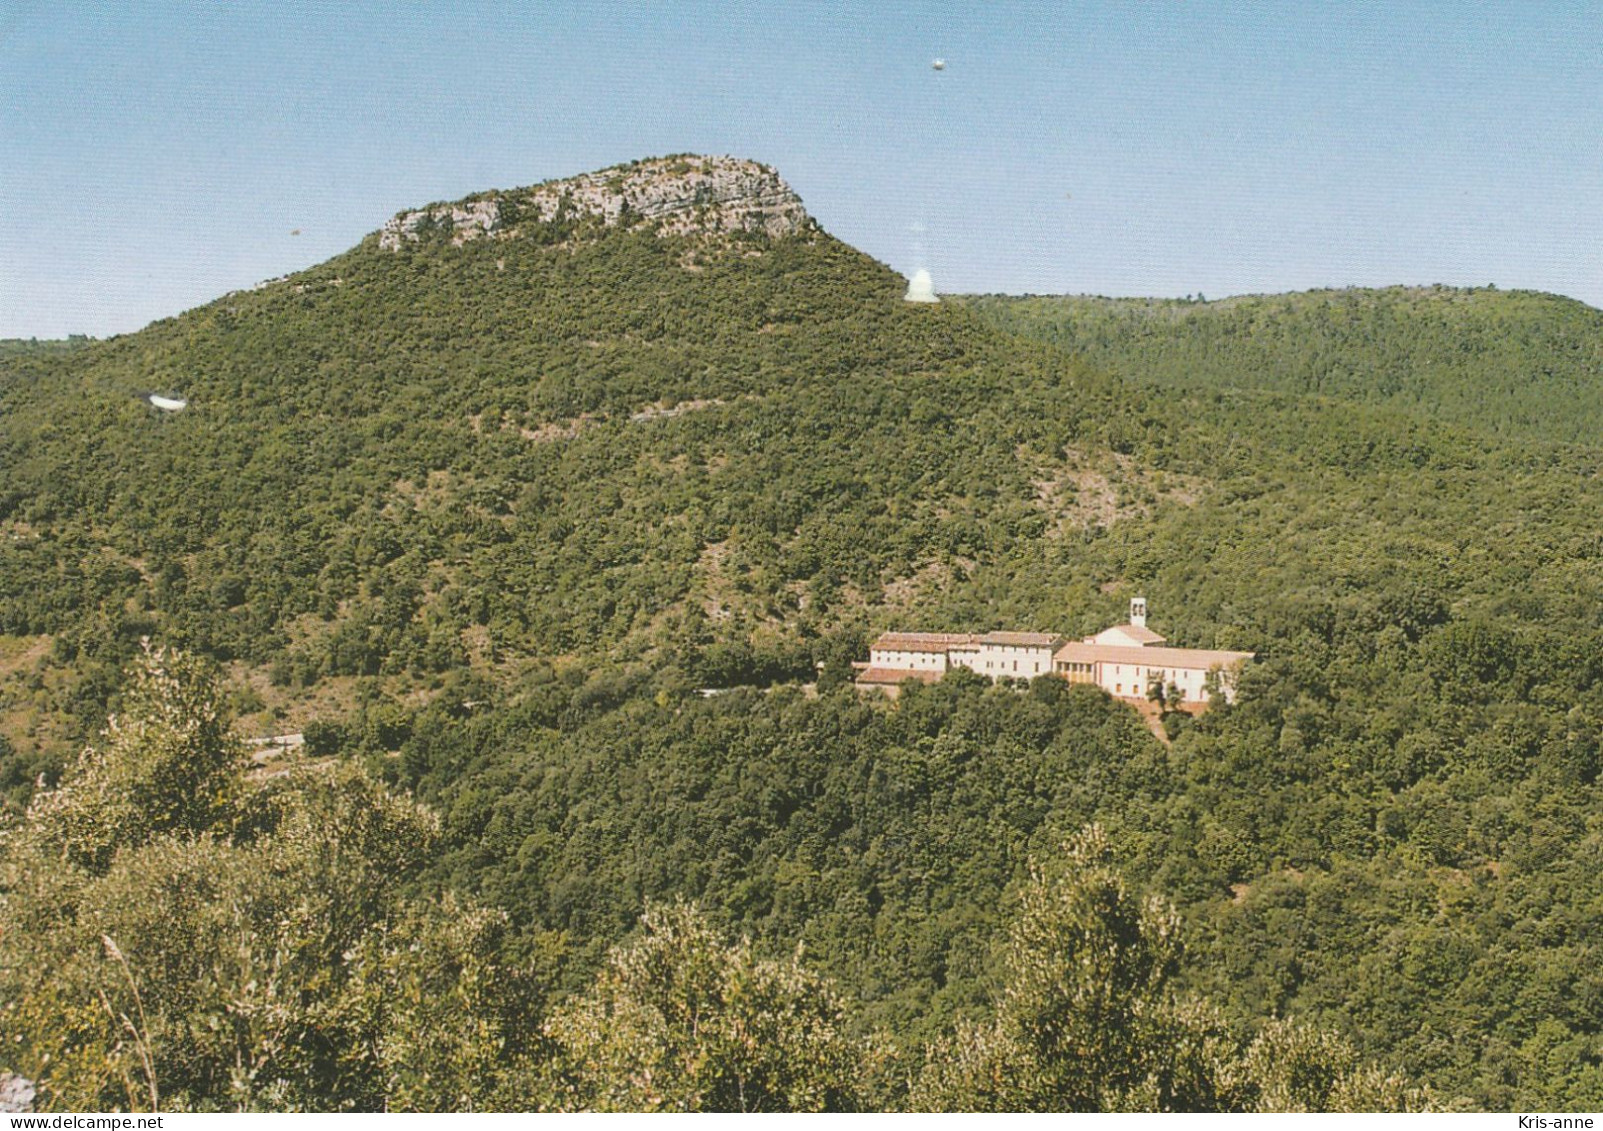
{"x": 672, "y": 195}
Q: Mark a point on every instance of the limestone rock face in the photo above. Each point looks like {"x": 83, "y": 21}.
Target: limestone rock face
{"x": 467, "y": 221}
{"x": 673, "y": 195}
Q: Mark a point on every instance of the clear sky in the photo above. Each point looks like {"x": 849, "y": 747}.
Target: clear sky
{"x": 154, "y": 156}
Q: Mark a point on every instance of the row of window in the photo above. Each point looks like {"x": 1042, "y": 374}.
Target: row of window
{"x": 1152, "y": 673}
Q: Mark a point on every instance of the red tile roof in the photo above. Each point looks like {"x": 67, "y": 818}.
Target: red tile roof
{"x": 1197, "y": 659}
{"x": 894, "y": 676}
{"x": 1137, "y": 632}
{"x": 921, "y": 641}
{"x": 1023, "y": 639}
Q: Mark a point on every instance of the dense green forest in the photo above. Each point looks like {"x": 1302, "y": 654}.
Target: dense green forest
{"x": 481, "y": 519}
{"x": 177, "y": 937}
{"x": 1515, "y": 363}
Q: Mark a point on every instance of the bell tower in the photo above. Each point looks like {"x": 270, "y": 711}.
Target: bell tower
{"x": 1138, "y": 612}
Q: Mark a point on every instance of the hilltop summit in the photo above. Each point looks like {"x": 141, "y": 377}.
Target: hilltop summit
{"x": 678, "y": 195}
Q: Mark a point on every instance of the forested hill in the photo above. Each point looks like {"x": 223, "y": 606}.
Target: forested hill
{"x": 1516, "y": 363}
{"x": 483, "y": 503}
{"x": 591, "y": 418}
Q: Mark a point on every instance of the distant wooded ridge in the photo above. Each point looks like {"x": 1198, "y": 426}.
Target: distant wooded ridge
{"x": 1517, "y": 363}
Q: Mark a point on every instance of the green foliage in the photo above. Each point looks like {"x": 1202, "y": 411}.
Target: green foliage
{"x": 679, "y": 1021}
{"x": 1292, "y": 1067}
{"x": 169, "y": 766}
{"x": 881, "y": 839}
{"x": 263, "y": 954}
{"x": 1089, "y": 1020}
{"x": 323, "y": 738}
{"x": 1086, "y": 966}
{"x": 224, "y": 946}
{"x": 1086, "y": 1020}
{"x": 398, "y": 448}
{"x": 1516, "y": 363}
{"x": 441, "y": 1011}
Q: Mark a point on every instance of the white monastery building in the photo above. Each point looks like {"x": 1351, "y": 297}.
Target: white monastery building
{"x": 926, "y": 656}
{"x": 1125, "y": 660}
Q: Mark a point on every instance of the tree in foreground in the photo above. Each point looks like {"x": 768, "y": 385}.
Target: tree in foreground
{"x": 1089, "y": 1020}
{"x": 679, "y": 1020}
{"x": 174, "y": 938}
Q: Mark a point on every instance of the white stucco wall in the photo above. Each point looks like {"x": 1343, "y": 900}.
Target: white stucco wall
{"x": 907, "y": 660}
{"x": 1132, "y": 680}
{"x": 1016, "y": 661}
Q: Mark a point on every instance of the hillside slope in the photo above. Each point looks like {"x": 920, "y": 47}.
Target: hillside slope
{"x": 1515, "y": 363}
{"x": 560, "y": 436}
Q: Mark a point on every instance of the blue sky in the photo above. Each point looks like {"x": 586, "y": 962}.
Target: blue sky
{"x": 154, "y": 156}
